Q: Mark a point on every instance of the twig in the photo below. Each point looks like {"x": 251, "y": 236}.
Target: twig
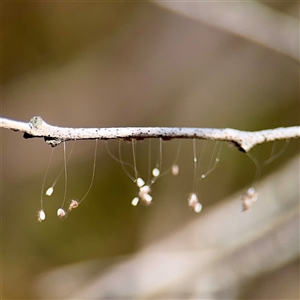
{"x": 54, "y": 135}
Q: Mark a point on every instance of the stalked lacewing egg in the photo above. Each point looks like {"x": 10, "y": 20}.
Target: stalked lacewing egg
{"x": 194, "y": 202}
{"x": 155, "y": 172}
{"x": 140, "y": 182}
{"x": 135, "y": 201}
{"x": 61, "y": 213}
{"x": 248, "y": 198}
{"x": 175, "y": 170}
{"x": 41, "y": 216}
{"x": 198, "y": 207}
{"x": 73, "y": 204}
{"x": 144, "y": 194}
{"x": 193, "y": 199}
{"x": 49, "y": 191}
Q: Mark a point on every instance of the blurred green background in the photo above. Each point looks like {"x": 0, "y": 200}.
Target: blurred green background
{"x": 101, "y": 64}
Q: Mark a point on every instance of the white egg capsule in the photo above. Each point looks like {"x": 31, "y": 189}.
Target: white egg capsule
{"x": 49, "y": 191}
{"x": 140, "y": 182}
{"x": 135, "y": 201}
{"x": 155, "y": 172}
{"x": 73, "y": 204}
{"x": 41, "y": 216}
{"x": 61, "y": 213}
{"x": 175, "y": 170}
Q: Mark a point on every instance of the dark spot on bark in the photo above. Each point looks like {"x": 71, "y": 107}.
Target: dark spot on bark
{"x": 240, "y": 148}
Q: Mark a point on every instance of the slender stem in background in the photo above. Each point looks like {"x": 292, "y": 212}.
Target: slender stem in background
{"x": 66, "y": 175}
{"x": 93, "y": 174}
{"x": 44, "y": 180}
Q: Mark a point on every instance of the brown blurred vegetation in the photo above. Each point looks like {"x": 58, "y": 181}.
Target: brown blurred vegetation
{"x": 96, "y": 64}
